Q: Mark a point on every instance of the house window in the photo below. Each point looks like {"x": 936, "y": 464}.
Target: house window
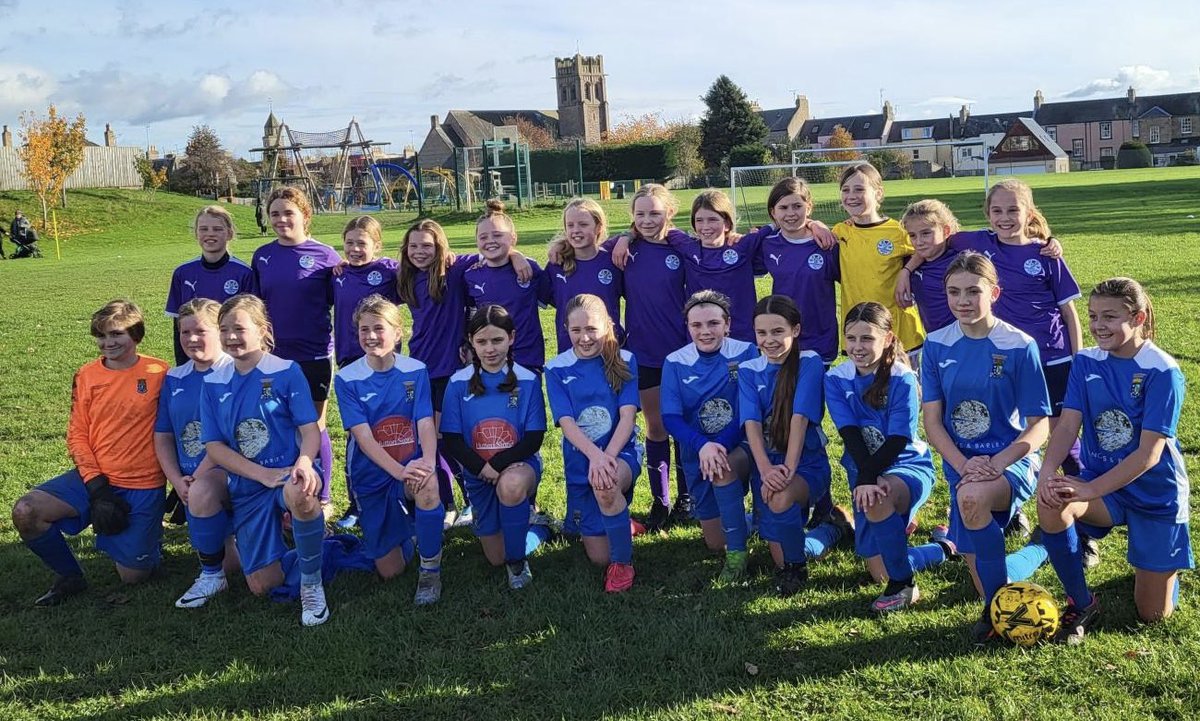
{"x": 1106, "y": 130}
{"x": 964, "y": 153}
{"x": 599, "y": 91}
{"x": 1136, "y": 130}
{"x": 1155, "y": 134}
{"x": 1052, "y": 131}
{"x": 1106, "y": 152}
{"x": 1185, "y": 126}
{"x": 866, "y": 126}
{"x": 917, "y": 133}
{"x": 916, "y": 154}
{"x": 1077, "y": 147}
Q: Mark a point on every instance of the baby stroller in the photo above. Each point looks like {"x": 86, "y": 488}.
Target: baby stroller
{"x": 25, "y": 238}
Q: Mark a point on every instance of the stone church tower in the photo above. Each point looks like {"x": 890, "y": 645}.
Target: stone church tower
{"x": 582, "y": 97}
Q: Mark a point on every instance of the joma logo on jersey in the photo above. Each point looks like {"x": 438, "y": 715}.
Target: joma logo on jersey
{"x": 997, "y": 366}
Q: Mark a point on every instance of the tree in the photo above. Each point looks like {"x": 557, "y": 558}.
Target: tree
{"x": 51, "y": 149}
{"x": 841, "y": 138}
{"x": 152, "y": 179}
{"x": 748, "y": 154}
{"x": 638, "y": 129}
{"x": 728, "y": 122}
{"x": 1134, "y": 155}
{"x": 893, "y": 164}
{"x": 207, "y": 168}
{"x": 538, "y": 137}
{"x": 686, "y": 138}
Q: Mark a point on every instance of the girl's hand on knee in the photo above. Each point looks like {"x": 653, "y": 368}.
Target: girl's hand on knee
{"x": 866, "y": 496}
{"x": 489, "y": 474}
{"x": 1070, "y": 489}
{"x": 305, "y": 476}
{"x": 183, "y": 487}
{"x": 777, "y": 479}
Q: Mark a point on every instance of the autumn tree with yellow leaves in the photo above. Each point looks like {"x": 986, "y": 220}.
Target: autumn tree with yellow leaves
{"x": 51, "y": 149}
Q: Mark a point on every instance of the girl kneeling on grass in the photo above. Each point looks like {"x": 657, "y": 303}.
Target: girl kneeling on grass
{"x": 593, "y": 398}
{"x": 386, "y": 409}
{"x": 1125, "y": 394}
{"x": 258, "y": 422}
{"x": 874, "y": 402}
{"x": 493, "y": 423}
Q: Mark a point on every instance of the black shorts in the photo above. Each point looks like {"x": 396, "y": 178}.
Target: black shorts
{"x": 437, "y": 389}
{"x": 1056, "y": 384}
{"x": 319, "y": 374}
{"x": 649, "y": 377}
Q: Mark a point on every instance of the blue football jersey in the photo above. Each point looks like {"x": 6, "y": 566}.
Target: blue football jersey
{"x": 987, "y": 386}
{"x": 390, "y": 403}
{"x": 756, "y": 394}
{"x": 577, "y": 389}
{"x": 179, "y": 410}
{"x": 1119, "y": 398}
{"x": 703, "y": 387}
{"x": 844, "y": 389}
{"x": 259, "y": 413}
{"x": 496, "y": 420}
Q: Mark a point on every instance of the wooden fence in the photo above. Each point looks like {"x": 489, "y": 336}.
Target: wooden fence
{"x": 102, "y": 167}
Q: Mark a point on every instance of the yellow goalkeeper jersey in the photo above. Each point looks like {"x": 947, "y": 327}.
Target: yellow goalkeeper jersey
{"x": 871, "y": 257}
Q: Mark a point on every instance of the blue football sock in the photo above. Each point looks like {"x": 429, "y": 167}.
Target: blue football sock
{"x": 514, "y": 525}
{"x": 620, "y": 537}
{"x": 1024, "y": 561}
{"x": 926, "y": 556}
{"x": 989, "y": 558}
{"x": 1067, "y": 559}
{"x": 208, "y": 534}
{"x": 310, "y": 537}
{"x": 535, "y": 537}
{"x": 893, "y": 547}
{"x": 326, "y": 457}
{"x": 731, "y": 502}
{"x": 52, "y": 548}
{"x": 429, "y": 530}
{"x": 1175, "y": 594}
{"x": 820, "y": 539}
{"x": 789, "y": 526}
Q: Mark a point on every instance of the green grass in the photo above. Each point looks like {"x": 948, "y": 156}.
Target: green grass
{"x": 671, "y": 648}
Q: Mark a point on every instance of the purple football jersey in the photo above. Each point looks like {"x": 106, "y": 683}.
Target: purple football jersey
{"x": 729, "y": 270}
{"x": 928, "y": 284}
{"x": 654, "y": 298}
{"x": 440, "y": 327}
{"x": 293, "y": 280}
{"x": 597, "y": 276}
{"x": 804, "y": 272}
{"x": 217, "y": 281}
{"x": 355, "y": 283}
{"x": 1034, "y": 286}
{"x": 499, "y": 285}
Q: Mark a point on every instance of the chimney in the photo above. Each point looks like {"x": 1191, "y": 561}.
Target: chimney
{"x": 433, "y": 122}
{"x": 1131, "y": 94}
{"x": 110, "y": 138}
{"x": 1038, "y": 99}
{"x": 802, "y": 107}
{"x": 7, "y": 137}
{"x": 963, "y": 114}
{"x": 152, "y": 152}
{"x": 888, "y": 114}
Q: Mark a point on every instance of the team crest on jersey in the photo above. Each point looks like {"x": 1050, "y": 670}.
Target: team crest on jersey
{"x": 733, "y": 372}
{"x": 374, "y": 277}
{"x": 970, "y": 419}
{"x": 522, "y": 284}
{"x": 307, "y": 262}
{"x": 266, "y": 389}
{"x": 141, "y": 386}
{"x": 672, "y": 261}
{"x": 730, "y": 256}
{"x": 1135, "y": 388}
{"x": 885, "y": 247}
{"x": 816, "y": 261}
{"x": 231, "y": 287}
{"x": 1033, "y": 267}
{"x": 715, "y": 414}
{"x": 605, "y": 276}
{"x": 514, "y": 397}
{"x": 410, "y": 391}
{"x": 997, "y": 366}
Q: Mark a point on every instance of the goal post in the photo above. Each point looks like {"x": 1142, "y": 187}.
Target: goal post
{"x": 749, "y": 186}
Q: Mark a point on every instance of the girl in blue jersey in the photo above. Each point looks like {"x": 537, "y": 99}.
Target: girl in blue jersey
{"x": 580, "y": 264}
{"x": 258, "y": 422}
{"x": 985, "y": 409}
{"x": 365, "y": 273}
{"x": 874, "y": 402}
{"x": 493, "y": 423}
{"x": 779, "y": 405}
{"x": 699, "y": 407}
{"x": 593, "y": 398}
{"x": 198, "y": 482}
{"x": 387, "y": 412}
{"x": 1125, "y": 394}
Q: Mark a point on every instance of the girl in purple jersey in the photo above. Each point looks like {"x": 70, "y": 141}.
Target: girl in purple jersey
{"x": 292, "y": 277}
{"x": 580, "y": 264}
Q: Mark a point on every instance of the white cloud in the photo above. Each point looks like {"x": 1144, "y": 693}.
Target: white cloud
{"x": 1143, "y": 78}
{"x": 23, "y": 87}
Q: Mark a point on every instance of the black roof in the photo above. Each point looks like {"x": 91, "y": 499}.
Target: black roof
{"x": 941, "y": 129}
{"x": 861, "y": 127}
{"x": 1090, "y": 111}
{"x": 977, "y": 125}
{"x": 777, "y": 120}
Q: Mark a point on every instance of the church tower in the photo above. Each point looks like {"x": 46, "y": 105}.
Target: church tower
{"x": 582, "y": 97}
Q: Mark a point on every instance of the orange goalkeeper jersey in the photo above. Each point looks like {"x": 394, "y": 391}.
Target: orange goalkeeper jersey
{"x": 111, "y": 430}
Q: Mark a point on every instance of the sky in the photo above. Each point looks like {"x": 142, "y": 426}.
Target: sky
{"x": 154, "y": 70}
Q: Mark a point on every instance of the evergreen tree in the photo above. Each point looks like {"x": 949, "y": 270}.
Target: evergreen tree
{"x": 728, "y": 122}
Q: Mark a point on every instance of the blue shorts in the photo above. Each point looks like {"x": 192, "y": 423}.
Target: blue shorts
{"x": 583, "y": 512}
{"x": 257, "y": 523}
{"x": 139, "y": 546}
{"x": 704, "y": 501}
{"x": 385, "y": 523}
{"x": 919, "y": 480}
{"x": 485, "y": 505}
{"x": 1022, "y": 481}
{"x": 1155, "y": 544}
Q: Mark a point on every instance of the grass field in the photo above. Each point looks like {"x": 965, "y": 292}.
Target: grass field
{"x": 672, "y": 648}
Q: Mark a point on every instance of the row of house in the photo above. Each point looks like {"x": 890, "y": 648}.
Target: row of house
{"x": 1086, "y": 133}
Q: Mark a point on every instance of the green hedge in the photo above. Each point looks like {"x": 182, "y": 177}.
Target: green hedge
{"x": 605, "y": 162}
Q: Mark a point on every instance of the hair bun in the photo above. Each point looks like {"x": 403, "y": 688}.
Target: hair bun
{"x": 495, "y": 206}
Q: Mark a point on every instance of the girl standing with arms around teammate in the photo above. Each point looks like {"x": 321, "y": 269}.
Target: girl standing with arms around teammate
{"x": 494, "y": 281}
{"x": 874, "y": 402}
{"x": 780, "y": 407}
{"x": 258, "y": 423}
{"x": 582, "y": 265}
{"x": 215, "y": 275}
{"x": 985, "y": 407}
{"x": 493, "y": 423}
{"x": 1125, "y": 394}
{"x": 292, "y": 275}
{"x": 699, "y": 407}
{"x": 385, "y": 406}
{"x": 593, "y": 398}
{"x": 199, "y": 483}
